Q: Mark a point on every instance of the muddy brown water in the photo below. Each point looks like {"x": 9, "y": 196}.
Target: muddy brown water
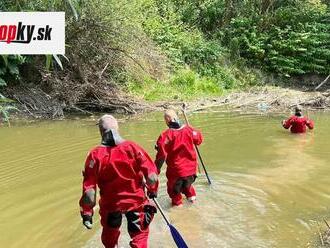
{"x": 269, "y": 187}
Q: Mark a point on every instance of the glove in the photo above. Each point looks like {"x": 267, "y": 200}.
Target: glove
{"x": 87, "y": 221}
{"x": 152, "y": 195}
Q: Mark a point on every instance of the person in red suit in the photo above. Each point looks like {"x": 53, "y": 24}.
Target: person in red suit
{"x": 122, "y": 170}
{"x": 298, "y": 123}
{"x": 175, "y": 145}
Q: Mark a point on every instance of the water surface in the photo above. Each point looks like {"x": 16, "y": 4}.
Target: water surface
{"x": 269, "y": 187}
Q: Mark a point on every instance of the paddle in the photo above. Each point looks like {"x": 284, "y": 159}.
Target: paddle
{"x": 197, "y": 150}
{"x": 180, "y": 243}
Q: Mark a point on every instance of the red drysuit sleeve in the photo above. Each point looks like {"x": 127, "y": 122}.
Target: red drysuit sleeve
{"x": 148, "y": 169}
{"x": 87, "y": 200}
{"x": 309, "y": 123}
{"x": 160, "y": 146}
{"x": 197, "y": 137}
{"x": 287, "y": 124}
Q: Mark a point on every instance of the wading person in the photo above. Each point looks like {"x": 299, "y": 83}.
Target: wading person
{"x": 122, "y": 170}
{"x": 298, "y": 123}
{"x": 176, "y": 146}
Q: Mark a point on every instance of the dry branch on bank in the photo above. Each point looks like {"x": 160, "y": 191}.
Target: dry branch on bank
{"x": 102, "y": 96}
{"x": 263, "y": 99}
{"x": 94, "y": 77}
{"x": 35, "y": 103}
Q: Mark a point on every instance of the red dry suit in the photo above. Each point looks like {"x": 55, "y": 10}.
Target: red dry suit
{"x": 118, "y": 171}
{"x": 176, "y": 147}
{"x": 298, "y": 124}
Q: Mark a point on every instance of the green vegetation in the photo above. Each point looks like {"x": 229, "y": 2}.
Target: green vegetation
{"x": 292, "y": 39}
{"x": 9, "y": 70}
{"x": 178, "y": 49}
{"x": 5, "y": 108}
{"x": 186, "y": 84}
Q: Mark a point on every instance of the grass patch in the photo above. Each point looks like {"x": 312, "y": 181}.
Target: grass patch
{"x": 185, "y": 84}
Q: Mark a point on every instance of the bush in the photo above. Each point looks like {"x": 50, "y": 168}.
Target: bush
{"x": 9, "y": 68}
{"x": 294, "y": 40}
{"x": 183, "y": 44}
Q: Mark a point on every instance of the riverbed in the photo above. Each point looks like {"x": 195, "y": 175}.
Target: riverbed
{"x": 269, "y": 187}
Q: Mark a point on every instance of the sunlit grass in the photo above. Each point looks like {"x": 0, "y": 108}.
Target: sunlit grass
{"x": 186, "y": 84}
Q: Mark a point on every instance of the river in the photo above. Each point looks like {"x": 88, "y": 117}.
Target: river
{"x": 270, "y": 188}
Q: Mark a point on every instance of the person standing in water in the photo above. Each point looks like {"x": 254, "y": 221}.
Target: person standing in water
{"x": 175, "y": 145}
{"x": 298, "y": 123}
{"x": 121, "y": 169}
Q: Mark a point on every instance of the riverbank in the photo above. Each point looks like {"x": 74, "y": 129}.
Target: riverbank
{"x": 115, "y": 54}
{"x": 261, "y": 99}
{"x": 35, "y": 104}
